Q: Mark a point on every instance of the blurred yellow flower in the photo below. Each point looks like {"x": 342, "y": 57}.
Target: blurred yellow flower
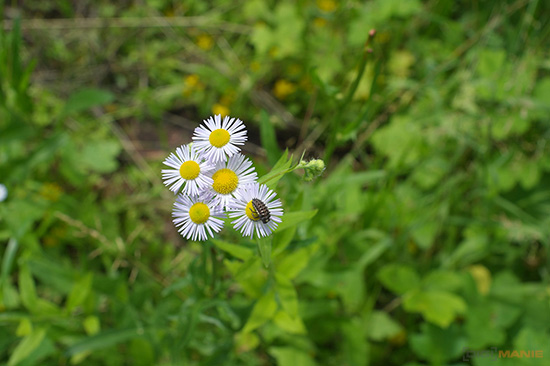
{"x": 400, "y": 63}
{"x": 192, "y": 80}
{"x": 306, "y": 84}
{"x": 295, "y": 69}
{"x": 51, "y": 191}
{"x": 54, "y": 237}
{"x": 192, "y": 83}
{"x": 399, "y": 339}
{"x": 273, "y": 52}
{"x": 255, "y": 66}
{"x": 227, "y": 99}
{"x": 319, "y": 22}
{"x": 205, "y": 41}
{"x": 283, "y": 89}
{"x": 220, "y": 109}
{"x": 482, "y": 277}
{"x": 327, "y": 6}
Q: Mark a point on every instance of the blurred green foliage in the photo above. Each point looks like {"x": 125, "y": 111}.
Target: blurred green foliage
{"x": 428, "y": 234}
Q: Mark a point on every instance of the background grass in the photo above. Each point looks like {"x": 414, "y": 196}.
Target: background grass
{"x": 426, "y": 237}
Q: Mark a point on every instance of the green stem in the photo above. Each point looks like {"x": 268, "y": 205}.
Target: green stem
{"x": 213, "y": 254}
{"x": 332, "y": 141}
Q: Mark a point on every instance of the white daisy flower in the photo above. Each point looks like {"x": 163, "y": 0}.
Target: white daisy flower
{"x": 3, "y": 192}
{"x": 189, "y": 170}
{"x": 228, "y": 177}
{"x": 256, "y": 210}
{"x": 197, "y": 217}
{"x": 218, "y": 139}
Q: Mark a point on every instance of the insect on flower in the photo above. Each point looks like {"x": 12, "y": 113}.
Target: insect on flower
{"x": 256, "y": 210}
{"x": 261, "y": 211}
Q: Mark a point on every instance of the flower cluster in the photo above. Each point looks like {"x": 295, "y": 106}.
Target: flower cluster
{"x": 212, "y": 179}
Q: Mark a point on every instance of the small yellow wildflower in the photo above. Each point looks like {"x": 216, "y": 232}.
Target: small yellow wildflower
{"x": 227, "y": 99}
{"x": 295, "y": 70}
{"x": 283, "y": 89}
{"x": 327, "y": 6}
{"x": 482, "y": 278}
{"x": 274, "y": 52}
{"x": 255, "y": 66}
{"x": 399, "y": 339}
{"x": 319, "y": 22}
{"x": 51, "y": 191}
{"x": 220, "y": 109}
{"x": 205, "y": 42}
{"x": 192, "y": 84}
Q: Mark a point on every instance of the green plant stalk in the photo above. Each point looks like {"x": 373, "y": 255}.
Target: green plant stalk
{"x": 332, "y": 141}
{"x": 214, "y": 259}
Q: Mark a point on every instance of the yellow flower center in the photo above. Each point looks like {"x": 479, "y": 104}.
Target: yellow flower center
{"x": 251, "y": 212}
{"x": 225, "y": 181}
{"x": 199, "y": 213}
{"x": 219, "y": 137}
{"x": 190, "y": 170}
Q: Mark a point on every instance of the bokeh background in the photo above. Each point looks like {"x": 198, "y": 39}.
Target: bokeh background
{"x": 426, "y": 238}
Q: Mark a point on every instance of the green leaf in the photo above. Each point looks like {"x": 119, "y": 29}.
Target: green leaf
{"x": 286, "y": 294}
{"x": 398, "y": 278}
{"x": 289, "y": 356}
{"x": 261, "y": 38}
{"x": 27, "y": 288}
{"x": 22, "y": 215}
{"x": 281, "y": 240}
{"x": 91, "y": 325}
{"x": 536, "y": 340}
{"x": 248, "y": 274}
{"x": 263, "y": 311}
{"x": 279, "y": 170}
{"x": 541, "y": 93}
{"x": 291, "y": 219}
{"x": 291, "y": 264}
{"x": 288, "y": 33}
{"x": 442, "y": 280}
{"x": 105, "y": 339}
{"x": 245, "y": 342}
{"x": 7, "y": 260}
{"x": 355, "y": 348}
{"x": 471, "y": 249}
{"x": 437, "y": 307}
{"x": 10, "y": 296}
{"x": 142, "y": 352}
{"x": 237, "y": 251}
{"x": 481, "y": 327}
{"x": 54, "y": 274}
{"x": 373, "y": 253}
{"x": 289, "y": 323}
{"x": 269, "y": 138}
{"x": 79, "y": 293}
{"x": 100, "y": 156}
{"x": 380, "y": 326}
{"x": 27, "y": 345}
{"x": 24, "y": 328}
{"x": 438, "y": 345}
{"x": 264, "y": 246}
{"x": 85, "y": 99}
{"x": 401, "y": 141}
